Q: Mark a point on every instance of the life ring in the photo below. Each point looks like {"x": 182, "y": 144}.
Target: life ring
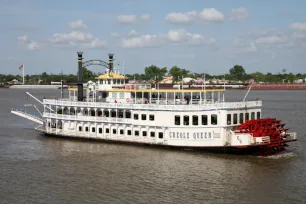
{"x": 128, "y": 100}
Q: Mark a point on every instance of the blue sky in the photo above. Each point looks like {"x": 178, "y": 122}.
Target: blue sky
{"x": 199, "y": 35}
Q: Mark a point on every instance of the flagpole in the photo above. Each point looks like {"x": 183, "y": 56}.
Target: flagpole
{"x": 204, "y": 89}
{"x": 23, "y": 74}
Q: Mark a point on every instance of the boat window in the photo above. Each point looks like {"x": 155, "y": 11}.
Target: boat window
{"x": 113, "y": 113}
{"x": 99, "y": 113}
{"x": 106, "y": 113}
{"x": 186, "y": 120}
{"x": 114, "y": 131}
{"x": 80, "y": 128}
{"x": 253, "y": 116}
{"x": 136, "y": 133}
{"x": 107, "y": 130}
{"x": 100, "y": 130}
{"x": 258, "y": 115}
{"x": 86, "y": 129}
{"x": 127, "y": 114}
{"x": 177, "y": 120}
{"x": 229, "y": 119}
{"x": 195, "y": 120}
{"x": 121, "y": 95}
{"x": 92, "y": 113}
{"x": 121, "y": 132}
{"x": 135, "y": 116}
{"x": 241, "y": 118}
{"x": 214, "y": 119}
{"x": 144, "y": 133}
{"x": 93, "y": 129}
{"x": 120, "y": 113}
{"x": 109, "y": 81}
{"x": 151, "y": 117}
{"x": 204, "y": 119}
{"x": 160, "y": 135}
{"x": 235, "y": 120}
{"x": 152, "y": 134}
{"x": 129, "y": 132}
{"x": 247, "y": 115}
{"x": 143, "y": 116}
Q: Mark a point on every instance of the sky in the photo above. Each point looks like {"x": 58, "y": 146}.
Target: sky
{"x": 208, "y": 36}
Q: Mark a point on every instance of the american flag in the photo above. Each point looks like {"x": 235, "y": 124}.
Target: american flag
{"x": 20, "y": 67}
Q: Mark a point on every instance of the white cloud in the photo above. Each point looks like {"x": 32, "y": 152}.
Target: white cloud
{"x": 261, "y": 33}
{"x": 23, "y": 38}
{"x": 181, "y": 18}
{"x": 115, "y": 35}
{"x": 174, "y": 37}
{"x": 28, "y": 44}
{"x": 142, "y": 41}
{"x": 33, "y": 45}
{"x": 271, "y": 40}
{"x": 297, "y": 26}
{"x": 79, "y": 24}
{"x": 132, "y": 33}
{"x": 145, "y": 17}
{"x": 244, "y": 46}
{"x": 182, "y": 36}
{"x": 76, "y": 39}
{"x": 126, "y": 19}
{"x": 239, "y": 14}
{"x": 12, "y": 58}
{"x": 298, "y": 35}
{"x": 211, "y": 15}
{"x": 72, "y": 36}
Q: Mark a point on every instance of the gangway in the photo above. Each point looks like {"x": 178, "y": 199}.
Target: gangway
{"x": 28, "y": 116}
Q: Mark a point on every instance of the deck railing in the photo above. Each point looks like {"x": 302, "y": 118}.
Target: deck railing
{"x": 206, "y": 106}
{"x": 85, "y": 118}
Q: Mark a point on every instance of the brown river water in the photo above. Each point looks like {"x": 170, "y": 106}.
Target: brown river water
{"x": 39, "y": 169}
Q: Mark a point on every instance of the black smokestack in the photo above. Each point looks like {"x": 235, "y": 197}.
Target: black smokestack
{"x": 110, "y": 62}
{"x": 80, "y": 76}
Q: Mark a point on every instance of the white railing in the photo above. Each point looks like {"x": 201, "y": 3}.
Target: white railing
{"x": 85, "y": 118}
{"x": 291, "y": 136}
{"x": 207, "y": 106}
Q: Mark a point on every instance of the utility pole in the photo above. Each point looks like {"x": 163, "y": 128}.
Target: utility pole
{"x": 62, "y": 85}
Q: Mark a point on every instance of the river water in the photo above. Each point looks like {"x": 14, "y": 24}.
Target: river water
{"x": 38, "y": 169}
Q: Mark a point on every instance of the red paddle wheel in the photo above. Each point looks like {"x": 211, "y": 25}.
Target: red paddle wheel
{"x": 266, "y": 127}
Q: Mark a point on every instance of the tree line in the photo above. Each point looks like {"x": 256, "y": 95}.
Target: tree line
{"x": 155, "y": 73}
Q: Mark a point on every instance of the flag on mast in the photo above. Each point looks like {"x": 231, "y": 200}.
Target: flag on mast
{"x": 22, "y": 68}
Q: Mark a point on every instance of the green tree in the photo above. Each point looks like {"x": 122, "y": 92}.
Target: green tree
{"x": 258, "y": 76}
{"x": 177, "y": 73}
{"x": 154, "y": 72}
{"x": 237, "y": 72}
{"x": 88, "y": 75}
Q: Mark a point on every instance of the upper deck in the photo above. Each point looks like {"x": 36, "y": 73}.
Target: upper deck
{"x": 158, "y": 107}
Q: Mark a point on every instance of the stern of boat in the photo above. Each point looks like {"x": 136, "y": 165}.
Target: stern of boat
{"x": 268, "y": 134}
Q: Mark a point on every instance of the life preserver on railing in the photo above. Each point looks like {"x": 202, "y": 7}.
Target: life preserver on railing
{"x": 128, "y": 100}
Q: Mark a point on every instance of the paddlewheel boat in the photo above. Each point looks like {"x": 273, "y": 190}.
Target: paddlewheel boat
{"x": 184, "y": 118}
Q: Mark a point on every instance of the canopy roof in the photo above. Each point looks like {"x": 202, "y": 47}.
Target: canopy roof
{"x": 111, "y": 75}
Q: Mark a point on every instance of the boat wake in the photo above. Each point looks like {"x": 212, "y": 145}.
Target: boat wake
{"x": 282, "y": 155}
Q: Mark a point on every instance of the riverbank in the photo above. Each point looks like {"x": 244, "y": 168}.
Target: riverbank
{"x": 278, "y": 86}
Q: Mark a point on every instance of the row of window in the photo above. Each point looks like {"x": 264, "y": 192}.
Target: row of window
{"x": 119, "y": 114}
{"x": 196, "y": 119}
{"x": 121, "y": 132}
{"x": 233, "y": 118}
